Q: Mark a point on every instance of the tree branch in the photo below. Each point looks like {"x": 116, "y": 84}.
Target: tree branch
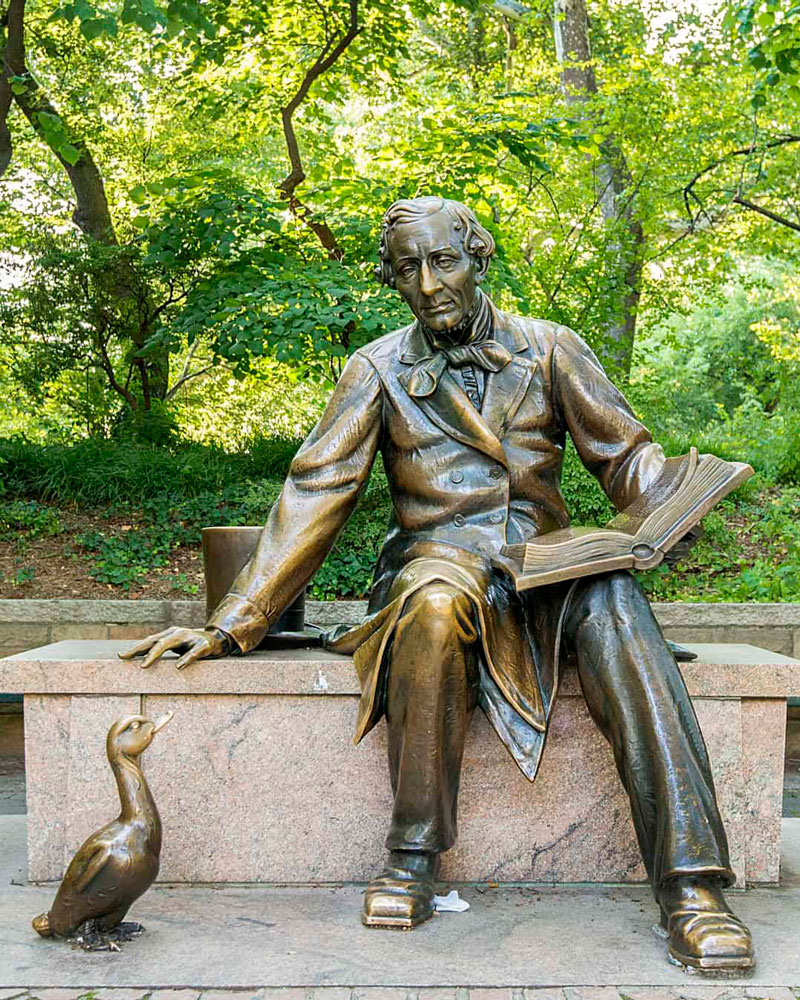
{"x": 780, "y": 219}
{"x": 688, "y": 189}
{"x": 616, "y": 193}
{"x": 328, "y": 56}
{"x": 108, "y": 367}
{"x": 91, "y": 215}
{"x": 184, "y": 379}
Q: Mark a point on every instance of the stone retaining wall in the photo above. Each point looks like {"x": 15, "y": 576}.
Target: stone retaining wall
{"x": 26, "y": 624}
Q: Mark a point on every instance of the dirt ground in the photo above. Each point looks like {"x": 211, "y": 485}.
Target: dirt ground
{"x": 61, "y": 569}
{"x": 57, "y": 567}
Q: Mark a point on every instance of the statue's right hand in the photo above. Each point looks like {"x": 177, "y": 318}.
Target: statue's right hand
{"x": 192, "y": 643}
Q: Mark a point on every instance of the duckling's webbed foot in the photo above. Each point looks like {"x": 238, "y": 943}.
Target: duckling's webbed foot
{"x": 91, "y": 937}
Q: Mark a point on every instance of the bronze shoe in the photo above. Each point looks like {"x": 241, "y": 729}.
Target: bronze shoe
{"x": 402, "y": 896}
{"x": 701, "y": 930}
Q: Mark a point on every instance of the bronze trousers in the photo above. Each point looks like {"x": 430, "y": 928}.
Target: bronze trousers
{"x": 634, "y": 692}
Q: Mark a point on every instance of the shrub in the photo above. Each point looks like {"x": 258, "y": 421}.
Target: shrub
{"x": 751, "y": 550}
{"x": 95, "y": 473}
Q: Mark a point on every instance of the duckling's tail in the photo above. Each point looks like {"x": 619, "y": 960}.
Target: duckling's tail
{"x": 41, "y": 925}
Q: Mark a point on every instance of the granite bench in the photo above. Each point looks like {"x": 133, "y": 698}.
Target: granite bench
{"x": 257, "y": 779}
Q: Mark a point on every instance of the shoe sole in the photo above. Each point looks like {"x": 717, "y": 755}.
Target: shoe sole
{"x": 393, "y": 923}
{"x": 712, "y": 964}
{"x": 690, "y": 964}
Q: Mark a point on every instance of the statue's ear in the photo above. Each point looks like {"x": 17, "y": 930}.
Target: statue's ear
{"x": 481, "y": 267}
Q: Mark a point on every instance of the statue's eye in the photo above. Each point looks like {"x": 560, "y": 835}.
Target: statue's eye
{"x": 135, "y": 725}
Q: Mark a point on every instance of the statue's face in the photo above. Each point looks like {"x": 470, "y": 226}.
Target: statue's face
{"x": 433, "y": 272}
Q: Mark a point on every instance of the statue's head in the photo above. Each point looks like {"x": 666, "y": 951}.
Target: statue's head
{"x": 435, "y": 253}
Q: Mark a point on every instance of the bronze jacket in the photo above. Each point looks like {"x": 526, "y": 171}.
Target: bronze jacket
{"x": 461, "y": 481}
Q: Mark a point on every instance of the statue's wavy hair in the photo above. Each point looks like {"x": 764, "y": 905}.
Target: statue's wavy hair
{"x": 478, "y": 241}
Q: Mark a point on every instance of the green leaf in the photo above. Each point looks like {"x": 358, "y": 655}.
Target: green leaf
{"x": 138, "y": 195}
{"x": 69, "y": 153}
{"x": 92, "y": 29}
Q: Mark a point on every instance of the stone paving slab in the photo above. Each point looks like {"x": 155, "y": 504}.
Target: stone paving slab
{"x": 308, "y": 944}
{"x": 458, "y": 993}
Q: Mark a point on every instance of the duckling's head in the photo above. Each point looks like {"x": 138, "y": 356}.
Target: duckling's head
{"x": 131, "y": 735}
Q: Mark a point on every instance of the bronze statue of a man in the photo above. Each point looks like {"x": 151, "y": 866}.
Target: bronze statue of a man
{"x": 470, "y": 408}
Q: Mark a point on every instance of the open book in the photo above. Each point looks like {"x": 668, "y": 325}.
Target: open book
{"x": 640, "y": 536}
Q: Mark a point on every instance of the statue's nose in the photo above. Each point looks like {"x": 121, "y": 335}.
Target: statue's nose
{"x": 428, "y": 280}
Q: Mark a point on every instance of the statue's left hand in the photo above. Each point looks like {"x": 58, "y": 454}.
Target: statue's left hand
{"x": 192, "y": 643}
{"x": 680, "y": 551}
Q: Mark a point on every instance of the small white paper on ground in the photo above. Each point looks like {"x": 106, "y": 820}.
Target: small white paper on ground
{"x": 451, "y": 903}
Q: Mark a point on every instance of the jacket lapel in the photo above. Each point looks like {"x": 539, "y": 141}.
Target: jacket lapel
{"x": 448, "y": 406}
{"x": 506, "y": 389}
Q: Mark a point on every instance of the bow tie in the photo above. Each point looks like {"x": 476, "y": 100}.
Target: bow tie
{"x": 490, "y": 355}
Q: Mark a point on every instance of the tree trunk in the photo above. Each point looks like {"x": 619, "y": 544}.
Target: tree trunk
{"x": 614, "y": 186}
{"x": 6, "y": 97}
{"x": 121, "y": 284}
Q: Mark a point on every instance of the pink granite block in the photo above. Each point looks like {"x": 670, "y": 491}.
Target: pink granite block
{"x": 721, "y": 724}
{"x": 571, "y": 824}
{"x": 246, "y": 796}
{"x": 257, "y": 779}
{"x": 267, "y": 789}
{"x": 47, "y": 742}
{"x": 92, "y": 667}
{"x": 763, "y": 740}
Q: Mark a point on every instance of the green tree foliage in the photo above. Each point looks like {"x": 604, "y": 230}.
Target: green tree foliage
{"x": 245, "y": 152}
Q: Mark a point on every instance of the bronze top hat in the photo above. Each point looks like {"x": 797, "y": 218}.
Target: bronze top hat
{"x": 226, "y": 550}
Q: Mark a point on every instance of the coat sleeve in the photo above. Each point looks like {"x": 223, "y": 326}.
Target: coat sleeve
{"x": 616, "y": 447}
{"x": 320, "y": 492}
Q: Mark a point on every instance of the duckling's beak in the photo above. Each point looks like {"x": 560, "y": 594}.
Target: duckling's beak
{"x": 162, "y": 722}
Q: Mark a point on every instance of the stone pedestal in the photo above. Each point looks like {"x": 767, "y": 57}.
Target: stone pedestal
{"x": 257, "y": 779}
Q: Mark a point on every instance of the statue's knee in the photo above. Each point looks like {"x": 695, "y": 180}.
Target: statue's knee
{"x": 614, "y": 596}
{"x": 439, "y": 607}
{"x": 438, "y": 599}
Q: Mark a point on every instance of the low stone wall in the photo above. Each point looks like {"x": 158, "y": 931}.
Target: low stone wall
{"x": 27, "y": 624}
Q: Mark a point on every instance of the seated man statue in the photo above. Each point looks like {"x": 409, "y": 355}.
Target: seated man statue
{"x": 470, "y": 408}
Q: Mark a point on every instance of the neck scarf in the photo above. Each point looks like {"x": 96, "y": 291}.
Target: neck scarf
{"x": 469, "y": 343}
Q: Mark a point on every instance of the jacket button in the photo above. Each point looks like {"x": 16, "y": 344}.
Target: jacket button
{"x": 495, "y": 472}
{"x": 456, "y": 477}
{"x": 459, "y": 520}
{"x": 496, "y": 518}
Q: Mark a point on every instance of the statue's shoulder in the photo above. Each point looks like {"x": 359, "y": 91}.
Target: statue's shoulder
{"x": 541, "y": 334}
{"x": 384, "y": 350}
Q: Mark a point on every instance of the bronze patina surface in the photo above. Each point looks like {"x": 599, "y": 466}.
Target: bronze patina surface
{"x": 470, "y": 408}
{"x": 119, "y": 862}
{"x": 226, "y": 551}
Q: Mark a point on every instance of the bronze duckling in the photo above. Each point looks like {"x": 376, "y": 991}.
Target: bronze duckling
{"x": 119, "y": 862}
